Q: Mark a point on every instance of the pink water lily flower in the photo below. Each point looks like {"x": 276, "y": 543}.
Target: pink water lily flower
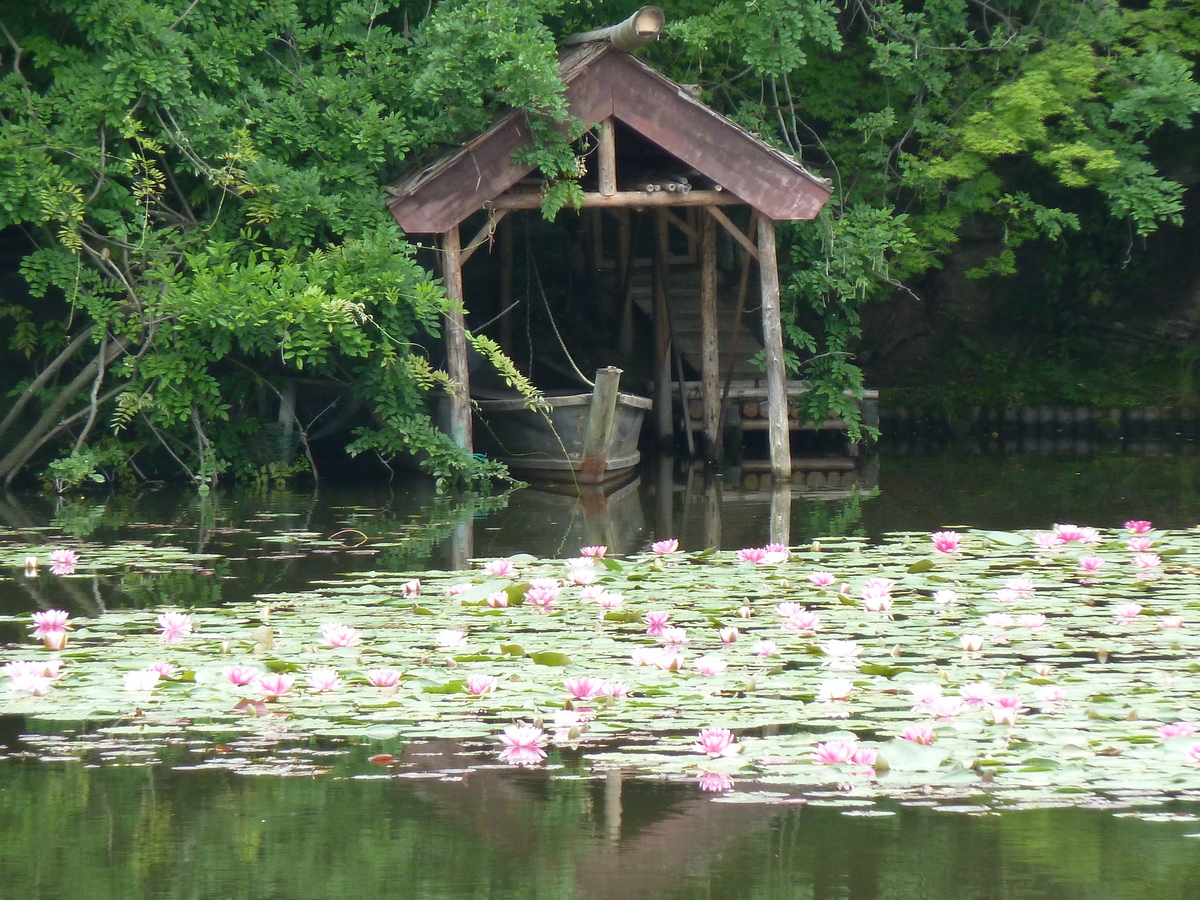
{"x": 946, "y": 541}
{"x": 523, "y": 745}
{"x": 1127, "y": 612}
{"x": 411, "y": 589}
{"x": 805, "y": 622}
{"x": 479, "y": 684}
{"x": 1047, "y": 540}
{"x": 1068, "y": 534}
{"x": 164, "y": 669}
{"x": 174, "y": 627}
{"x": 666, "y": 659}
{"x": 1031, "y": 620}
{"x": 275, "y": 685}
{"x": 673, "y": 636}
{"x": 821, "y": 579}
{"x": 1140, "y": 543}
{"x": 919, "y": 734}
{"x": 140, "y": 682}
{"x": 752, "y": 555}
{"x": 384, "y": 678}
{"x": 31, "y": 683}
{"x": 972, "y": 643}
{"x": 1052, "y": 695}
{"x": 729, "y": 635}
{"x": 835, "y": 689}
{"x": 656, "y": 621}
{"x": 947, "y": 708}
{"x": 1090, "y": 563}
{"x": 745, "y": 612}
{"x": 581, "y": 562}
{"x": 542, "y": 599}
{"x": 460, "y": 588}
{"x": 865, "y": 757}
{"x": 449, "y": 638}
{"x": 710, "y": 665}
{"x": 50, "y": 620}
{"x": 322, "y": 680}
{"x": 998, "y": 620}
{"x": 877, "y": 595}
{"x": 788, "y": 608}
{"x": 1193, "y": 753}
{"x": 241, "y": 676}
{"x": 841, "y": 654}
{"x": 497, "y": 599}
{"x": 665, "y": 548}
{"x": 1004, "y": 715}
{"x": 1007, "y": 596}
{"x": 1147, "y": 560}
{"x": 501, "y": 568}
{"x": 832, "y": 753}
{"x": 945, "y": 597}
{"x": 610, "y": 600}
{"x": 63, "y": 562}
{"x": 765, "y": 648}
{"x": 584, "y": 576}
{"x": 1043, "y": 670}
{"x": 43, "y": 668}
{"x": 615, "y": 689}
{"x": 335, "y": 634}
{"x": 716, "y": 742}
{"x": 584, "y": 687}
{"x": 1138, "y": 526}
{"x": 715, "y": 782}
{"x": 596, "y": 552}
{"x": 1176, "y": 729}
{"x": 977, "y": 693}
{"x": 776, "y": 554}
{"x": 1170, "y": 622}
{"x": 924, "y": 695}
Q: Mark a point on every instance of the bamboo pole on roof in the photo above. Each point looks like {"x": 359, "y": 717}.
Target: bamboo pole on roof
{"x": 456, "y": 341}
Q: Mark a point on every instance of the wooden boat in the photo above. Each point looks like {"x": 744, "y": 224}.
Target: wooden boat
{"x": 583, "y": 439}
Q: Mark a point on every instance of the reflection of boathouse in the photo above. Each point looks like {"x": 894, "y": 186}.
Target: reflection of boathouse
{"x": 675, "y": 232}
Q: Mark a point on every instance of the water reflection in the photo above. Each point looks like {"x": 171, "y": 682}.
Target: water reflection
{"x": 149, "y": 832}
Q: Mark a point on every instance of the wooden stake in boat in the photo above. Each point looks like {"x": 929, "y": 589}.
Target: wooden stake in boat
{"x": 597, "y": 438}
{"x": 456, "y": 341}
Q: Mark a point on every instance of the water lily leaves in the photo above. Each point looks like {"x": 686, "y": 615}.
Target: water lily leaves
{"x": 550, "y": 658}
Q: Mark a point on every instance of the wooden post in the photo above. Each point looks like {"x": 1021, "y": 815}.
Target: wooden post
{"x": 768, "y": 276}
{"x": 608, "y": 158}
{"x": 625, "y": 280}
{"x": 663, "y": 417}
{"x": 710, "y": 365}
{"x": 456, "y": 341}
{"x": 506, "y": 237}
{"x": 601, "y": 415}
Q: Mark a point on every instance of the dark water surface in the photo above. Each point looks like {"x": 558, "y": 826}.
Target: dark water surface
{"x": 447, "y": 825}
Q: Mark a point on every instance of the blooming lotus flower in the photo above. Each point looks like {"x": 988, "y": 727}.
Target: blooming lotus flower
{"x": 1031, "y": 620}
{"x": 710, "y": 665}
{"x": 30, "y": 683}
{"x": 497, "y": 599}
{"x": 831, "y": 753}
{"x": 1138, "y": 526}
{"x": 947, "y": 707}
{"x": 1008, "y": 701}
{"x": 335, "y": 634}
{"x": 140, "y": 682}
{"x": 1147, "y": 560}
{"x": 584, "y": 687}
{"x": 752, "y": 555}
{"x": 1090, "y": 563}
{"x": 667, "y": 660}
{"x": 449, "y": 638}
{"x": 821, "y": 579}
{"x": 877, "y": 595}
{"x": 665, "y": 548}
{"x": 478, "y": 684}
{"x": 584, "y": 576}
{"x": 1139, "y": 544}
{"x": 945, "y": 597}
{"x": 924, "y": 695}
{"x": 460, "y": 588}
{"x": 1074, "y": 533}
{"x": 1176, "y": 729}
{"x": 384, "y": 678}
{"x": 998, "y": 620}
{"x": 321, "y": 680}
{"x": 542, "y": 598}
{"x": 841, "y": 654}
{"x": 411, "y": 589}
{"x": 63, "y": 562}
{"x": 164, "y": 669}
{"x": 716, "y": 742}
{"x": 523, "y": 745}
{"x": 581, "y": 562}
{"x": 919, "y": 734}
{"x": 715, "y": 782}
{"x": 275, "y": 685}
{"x": 1127, "y": 612}
{"x": 656, "y": 621}
{"x": 972, "y": 643}
{"x": 977, "y": 693}
{"x": 610, "y": 600}
{"x": 776, "y": 554}
{"x": 946, "y": 541}
{"x": 765, "y": 648}
{"x": 174, "y": 627}
{"x": 1047, "y": 540}
{"x": 835, "y": 689}
{"x": 804, "y": 622}
{"x": 1007, "y": 596}
{"x": 673, "y": 636}
{"x": 42, "y": 668}
{"x": 1170, "y": 622}
{"x": 50, "y": 620}
{"x": 788, "y": 608}
{"x": 596, "y": 552}
{"x": 501, "y": 568}
{"x": 241, "y": 675}
{"x": 729, "y": 635}
{"x": 615, "y": 689}
{"x": 864, "y": 756}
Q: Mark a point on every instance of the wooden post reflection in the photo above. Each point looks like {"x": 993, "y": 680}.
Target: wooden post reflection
{"x": 781, "y": 512}
{"x": 612, "y": 806}
{"x": 712, "y": 512}
{"x": 462, "y": 542}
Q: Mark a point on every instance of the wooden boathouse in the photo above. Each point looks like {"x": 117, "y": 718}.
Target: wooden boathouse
{"x": 715, "y": 165}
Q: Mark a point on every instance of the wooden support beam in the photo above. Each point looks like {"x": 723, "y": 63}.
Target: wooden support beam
{"x": 483, "y": 236}
{"x": 734, "y": 231}
{"x": 663, "y": 417}
{"x": 456, "y": 341}
{"x": 768, "y": 276}
{"x": 682, "y": 225}
{"x": 710, "y": 374}
{"x": 608, "y": 158}
{"x": 636, "y": 199}
{"x": 624, "y": 263}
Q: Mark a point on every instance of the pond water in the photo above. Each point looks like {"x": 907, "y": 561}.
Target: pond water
{"x": 435, "y": 820}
